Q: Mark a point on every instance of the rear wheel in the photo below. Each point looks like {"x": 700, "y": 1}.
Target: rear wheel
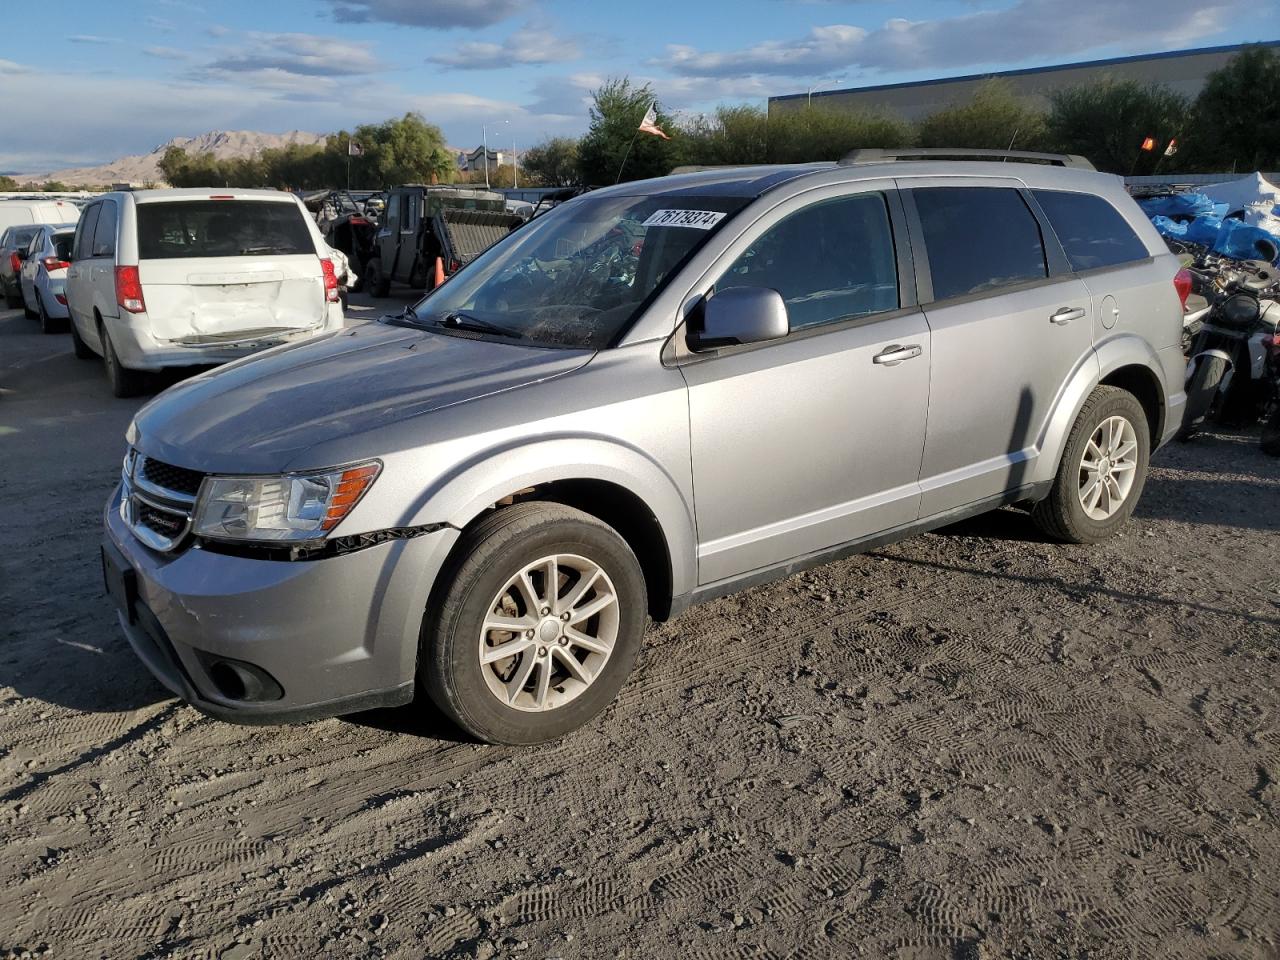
{"x": 80, "y": 348}
{"x": 1200, "y": 393}
{"x": 12, "y": 298}
{"x": 124, "y": 382}
{"x": 27, "y": 311}
{"x": 536, "y": 627}
{"x": 1103, "y": 469}
{"x": 377, "y": 283}
{"x": 47, "y": 323}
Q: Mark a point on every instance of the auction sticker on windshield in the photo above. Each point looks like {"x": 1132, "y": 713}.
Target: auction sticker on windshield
{"x": 697, "y": 219}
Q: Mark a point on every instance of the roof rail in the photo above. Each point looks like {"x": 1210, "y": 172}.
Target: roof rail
{"x": 963, "y": 153}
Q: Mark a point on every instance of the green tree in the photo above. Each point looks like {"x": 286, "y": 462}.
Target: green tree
{"x": 407, "y": 150}
{"x": 8, "y": 183}
{"x": 1107, "y": 122}
{"x": 822, "y": 133}
{"x": 731, "y": 135}
{"x": 994, "y": 118}
{"x": 552, "y": 163}
{"x": 1238, "y": 114}
{"x": 612, "y": 149}
{"x": 55, "y": 186}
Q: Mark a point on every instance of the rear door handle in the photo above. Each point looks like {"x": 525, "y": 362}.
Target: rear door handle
{"x": 1066, "y": 315}
{"x": 892, "y": 356}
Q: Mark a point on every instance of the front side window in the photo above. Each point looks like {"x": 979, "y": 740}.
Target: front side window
{"x": 579, "y": 275}
{"x": 831, "y": 261}
{"x": 221, "y": 228}
{"x": 104, "y": 233}
{"x": 978, "y": 239}
{"x": 1091, "y": 230}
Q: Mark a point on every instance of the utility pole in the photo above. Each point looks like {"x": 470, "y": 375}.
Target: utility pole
{"x": 484, "y": 136}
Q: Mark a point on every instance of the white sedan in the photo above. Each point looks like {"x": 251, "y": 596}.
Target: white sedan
{"x": 43, "y": 277}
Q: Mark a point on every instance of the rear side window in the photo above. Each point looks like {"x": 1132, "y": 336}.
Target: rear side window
{"x": 978, "y": 239}
{"x": 104, "y": 233}
{"x": 221, "y": 228}
{"x": 62, "y": 245}
{"x": 831, "y": 261}
{"x": 84, "y": 231}
{"x": 19, "y": 237}
{"x": 1091, "y": 230}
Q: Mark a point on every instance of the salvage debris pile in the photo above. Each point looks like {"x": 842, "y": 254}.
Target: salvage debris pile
{"x": 1238, "y": 219}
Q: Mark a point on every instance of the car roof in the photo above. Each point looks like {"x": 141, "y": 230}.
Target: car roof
{"x": 755, "y": 181}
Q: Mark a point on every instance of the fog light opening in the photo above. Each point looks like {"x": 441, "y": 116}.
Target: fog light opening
{"x": 237, "y": 680}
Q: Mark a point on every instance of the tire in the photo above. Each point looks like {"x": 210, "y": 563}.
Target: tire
{"x": 12, "y": 299}
{"x": 124, "y": 382}
{"x": 80, "y": 348}
{"x": 28, "y": 312}
{"x": 1271, "y": 435}
{"x": 1062, "y": 515}
{"x": 1200, "y": 394}
{"x": 47, "y": 323}
{"x": 375, "y": 281}
{"x": 490, "y": 556}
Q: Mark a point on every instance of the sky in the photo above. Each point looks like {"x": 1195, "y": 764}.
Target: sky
{"x": 96, "y": 81}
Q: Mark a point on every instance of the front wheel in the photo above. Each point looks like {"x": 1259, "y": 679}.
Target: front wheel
{"x": 376, "y": 282}
{"x": 1103, "y": 469}
{"x": 534, "y": 629}
{"x": 1200, "y": 393}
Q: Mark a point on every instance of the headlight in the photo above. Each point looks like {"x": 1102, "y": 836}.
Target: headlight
{"x": 303, "y": 506}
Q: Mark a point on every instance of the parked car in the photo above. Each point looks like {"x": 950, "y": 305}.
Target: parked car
{"x": 655, "y": 394}
{"x": 43, "y": 277}
{"x": 163, "y": 278}
{"x": 420, "y": 227}
{"x": 24, "y": 212}
{"x": 13, "y": 241}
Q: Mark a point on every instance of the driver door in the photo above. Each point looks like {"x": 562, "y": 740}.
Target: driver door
{"x": 814, "y": 440}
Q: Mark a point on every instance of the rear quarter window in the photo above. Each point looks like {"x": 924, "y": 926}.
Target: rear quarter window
{"x": 1092, "y": 232}
{"x": 221, "y": 228}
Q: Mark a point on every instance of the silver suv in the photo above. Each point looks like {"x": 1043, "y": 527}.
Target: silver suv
{"x": 653, "y": 395}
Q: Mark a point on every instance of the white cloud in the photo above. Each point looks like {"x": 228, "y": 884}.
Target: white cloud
{"x": 528, "y": 46}
{"x": 9, "y": 67}
{"x": 1037, "y": 30}
{"x": 166, "y": 53}
{"x": 301, "y": 54}
{"x": 91, "y": 38}
{"x": 433, "y": 14}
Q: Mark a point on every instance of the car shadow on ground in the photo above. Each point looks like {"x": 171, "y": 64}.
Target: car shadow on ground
{"x": 422, "y": 718}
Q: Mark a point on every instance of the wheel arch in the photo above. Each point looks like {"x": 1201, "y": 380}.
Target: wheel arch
{"x": 618, "y": 485}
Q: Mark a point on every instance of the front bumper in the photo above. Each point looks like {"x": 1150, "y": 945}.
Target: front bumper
{"x": 338, "y": 634}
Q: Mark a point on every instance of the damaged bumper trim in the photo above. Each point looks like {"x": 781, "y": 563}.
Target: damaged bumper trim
{"x": 318, "y": 549}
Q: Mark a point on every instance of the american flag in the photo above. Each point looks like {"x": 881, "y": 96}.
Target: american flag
{"x": 650, "y": 122}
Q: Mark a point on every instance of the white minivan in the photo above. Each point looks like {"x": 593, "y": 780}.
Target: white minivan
{"x": 176, "y": 278}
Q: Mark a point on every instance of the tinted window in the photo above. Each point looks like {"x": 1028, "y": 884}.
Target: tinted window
{"x": 221, "y": 228}
{"x": 104, "y": 234}
{"x": 1091, "y": 230}
{"x": 62, "y": 245}
{"x": 830, "y": 261}
{"x": 393, "y": 212}
{"x": 978, "y": 238}
{"x": 84, "y": 231}
{"x": 17, "y": 238}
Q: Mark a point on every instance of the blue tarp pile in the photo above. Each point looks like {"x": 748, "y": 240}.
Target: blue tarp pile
{"x": 1242, "y": 231}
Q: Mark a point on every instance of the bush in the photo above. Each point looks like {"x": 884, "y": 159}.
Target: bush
{"x": 1108, "y": 121}
{"x": 993, "y": 119}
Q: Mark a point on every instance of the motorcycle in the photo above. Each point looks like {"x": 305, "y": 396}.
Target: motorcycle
{"x": 1226, "y": 372}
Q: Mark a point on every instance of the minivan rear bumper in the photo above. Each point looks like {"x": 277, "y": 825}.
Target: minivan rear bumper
{"x": 139, "y": 350}
{"x": 337, "y": 635}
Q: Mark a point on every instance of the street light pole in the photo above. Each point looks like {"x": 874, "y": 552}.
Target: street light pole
{"x": 515, "y": 165}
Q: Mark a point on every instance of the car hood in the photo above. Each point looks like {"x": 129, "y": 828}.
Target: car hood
{"x": 262, "y": 414}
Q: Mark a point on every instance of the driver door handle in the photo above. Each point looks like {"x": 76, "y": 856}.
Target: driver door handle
{"x": 892, "y": 356}
{"x": 1066, "y": 315}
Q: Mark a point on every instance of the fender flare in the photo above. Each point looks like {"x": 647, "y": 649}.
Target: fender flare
{"x": 1125, "y": 350}
{"x": 460, "y": 494}
{"x": 1215, "y": 352}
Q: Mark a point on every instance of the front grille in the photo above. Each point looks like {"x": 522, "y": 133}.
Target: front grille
{"x": 166, "y": 475}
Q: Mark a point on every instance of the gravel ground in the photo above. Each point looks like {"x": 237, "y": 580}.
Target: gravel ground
{"x": 971, "y": 744}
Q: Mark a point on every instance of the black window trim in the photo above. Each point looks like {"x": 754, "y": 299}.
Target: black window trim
{"x": 93, "y": 210}
{"x": 115, "y": 240}
{"x": 1056, "y": 263}
{"x": 677, "y": 352}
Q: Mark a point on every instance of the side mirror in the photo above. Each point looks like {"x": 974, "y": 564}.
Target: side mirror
{"x": 741, "y": 315}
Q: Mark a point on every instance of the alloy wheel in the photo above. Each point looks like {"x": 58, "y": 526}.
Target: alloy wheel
{"x": 1108, "y": 467}
{"x": 549, "y": 632}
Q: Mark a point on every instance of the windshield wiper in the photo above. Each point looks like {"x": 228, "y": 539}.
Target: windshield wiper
{"x": 464, "y": 321}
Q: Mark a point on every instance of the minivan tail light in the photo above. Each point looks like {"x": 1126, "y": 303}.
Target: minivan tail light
{"x": 129, "y": 290}
{"x": 330, "y": 280}
{"x": 53, "y": 263}
{"x": 1182, "y": 283}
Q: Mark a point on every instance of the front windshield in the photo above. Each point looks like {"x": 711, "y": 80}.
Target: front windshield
{"x": 578, "y": 275}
